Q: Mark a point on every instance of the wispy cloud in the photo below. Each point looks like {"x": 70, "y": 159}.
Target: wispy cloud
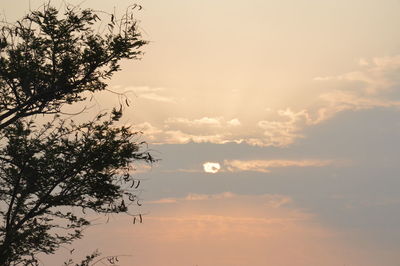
{"x": 271, "y": 200}
{"x": 264, "y": 166}
{"x": 141, "y": 89}
{"x": 204, "y": 121}
{"x": 163, "y": 201}
{"x": 377, "y": 75}
{"x": 156, "y": 97}
{"x": 158, "y": 94}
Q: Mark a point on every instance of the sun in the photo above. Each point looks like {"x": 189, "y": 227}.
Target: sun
{"x": 210, "y": 167}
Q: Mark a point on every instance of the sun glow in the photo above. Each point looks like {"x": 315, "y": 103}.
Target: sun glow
{"x": 210, "y": 167}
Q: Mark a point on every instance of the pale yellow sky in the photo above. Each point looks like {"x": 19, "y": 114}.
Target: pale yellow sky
{"x": 247, "y": 61}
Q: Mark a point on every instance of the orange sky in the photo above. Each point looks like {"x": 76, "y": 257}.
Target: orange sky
{"x": 227, "y": 229}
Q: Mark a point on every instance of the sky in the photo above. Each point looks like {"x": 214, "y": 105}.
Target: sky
{"x": 277, "y": 124}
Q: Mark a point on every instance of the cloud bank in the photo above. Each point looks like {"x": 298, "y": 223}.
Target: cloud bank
{"x": 371, "y": 86}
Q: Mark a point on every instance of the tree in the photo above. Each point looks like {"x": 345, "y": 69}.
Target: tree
{"x": 63, "y": 164}
{"x": 50, "y": 171}
{"x": 47, "y": 60}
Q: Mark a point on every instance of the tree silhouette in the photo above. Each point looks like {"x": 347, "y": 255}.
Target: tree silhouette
{"x": 48, "y": 60}
{"x": 51, "y": 174}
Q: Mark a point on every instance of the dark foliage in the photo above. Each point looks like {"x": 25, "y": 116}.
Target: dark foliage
{"x": 48, "y": 59}
{"x": 52, "y": 174}
{"x": 46, "y": 171}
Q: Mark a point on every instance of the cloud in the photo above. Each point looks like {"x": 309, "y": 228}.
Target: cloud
{"x": 184, "y": 171}
{"x": 282, "y": 132}
{"x": 264, "y": 166}
{"x": 179, "y": 137}
{"x": 265, "y": 133}
{"x": 352, "y": 91}
{"x": 163, "y": 201}
{"x": 338, "y": 101}
{"x": 152, "y": 133}
{"x": 206, "y": 124}
{"x": 156, "y": 97}
{"x": 166, "y": 135}
{"x": 140, "y": 89}
{"x": 148, "y": 93}
{"x": 270, "y": 200}
{"x": 199, "y": 197}
{"x": 377, "y": 75}
{"x": 204, "y": 121}
{"x": 371, "y": 86}
{"x": 234, "y": 122}
{"x": 224, "y": 195}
